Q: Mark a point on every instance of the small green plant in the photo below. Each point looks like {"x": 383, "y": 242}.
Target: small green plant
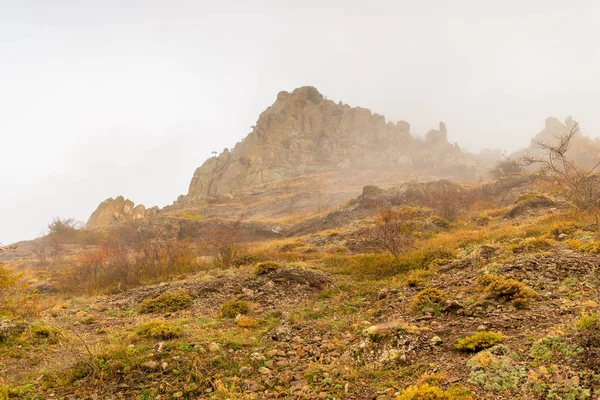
{"x": 231, "y": 308}
{"x": 159, "y": 330}
{"x": 4, "y": 392}
{"x": 566, "y": 392}
{"x": 478, "y": 341}
{"x": 187, "y": 348}
{"x": 587, "y": 338}
{"x": 147, "y": 394}
{"x": 44, "y": 332}
{"x": 548, "y": 347}
{"x": 588, "y": 322}
{"x": 265, "y": 267}
{"x": 497, "y": 373}
{"x": 88, "y": 321}
{"x": 166, "y": 302}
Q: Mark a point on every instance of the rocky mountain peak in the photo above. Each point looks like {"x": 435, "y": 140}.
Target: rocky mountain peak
{"x": 303, "y": 132}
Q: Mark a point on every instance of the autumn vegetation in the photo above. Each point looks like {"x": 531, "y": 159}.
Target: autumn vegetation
{"x": 437, "y": 296}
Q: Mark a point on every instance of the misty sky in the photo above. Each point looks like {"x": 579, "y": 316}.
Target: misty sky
{"x": 100, "y": 98}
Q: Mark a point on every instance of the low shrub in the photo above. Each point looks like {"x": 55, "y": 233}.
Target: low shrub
{"x": 159, "y": 330}
{"x": 590, "y": 247}
{"x": 430, "y": 297}
{"x": 416, "y": 277}
{"x": 530, "y": 196}
{"x": 244, "y": 321}
{"x": 265, "y": 267}
{"x": 424, "y": 392}
{"x": 440, "y": 222}
{"x": 246, "y": 259}
{"x": 588, "y": 322}
{"x": 478, "y": 341}
{"x": 232, "y": 308}
{"x": 288, "y": 247}
{"x": 566, "y": 228}
{"x": 532, "y": 244}
{"x": 166, "y": 302}
{"x": 429, "y": 392}
{"x": 42, "y": 332}
{"x": 588, "y": 339}
{"x": 505, "y": 289}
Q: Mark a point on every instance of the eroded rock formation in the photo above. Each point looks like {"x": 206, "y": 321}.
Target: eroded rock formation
{"x": 302, "y": 132}
{"x": 114, "y": 211}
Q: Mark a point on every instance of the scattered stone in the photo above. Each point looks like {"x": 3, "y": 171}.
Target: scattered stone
{"x": 436, "y": 341}
{"x": 150, "y": 365}
{"x": 264, "y": 370}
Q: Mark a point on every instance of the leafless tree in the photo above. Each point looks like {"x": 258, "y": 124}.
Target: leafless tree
{"x": 580, "y": 186}
{"x": 393, "y": 231}
{"x": 225, "y": 241}
{"x": 62, "y": 226}
{"x": 446, "y": 198}
{"x": 40, "y": 250}
{"x": 56, "y": 251}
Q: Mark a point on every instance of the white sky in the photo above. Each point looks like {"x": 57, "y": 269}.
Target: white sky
{"x": 100, "y": 97}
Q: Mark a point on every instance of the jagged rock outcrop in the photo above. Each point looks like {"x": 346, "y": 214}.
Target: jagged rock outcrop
{"x": 303, "y": 132}
{"x": 118, "y": 210}
{"x": 583, "y": 150}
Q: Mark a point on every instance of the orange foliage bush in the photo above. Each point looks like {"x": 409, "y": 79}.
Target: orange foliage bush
{"x": 126, "y": 258}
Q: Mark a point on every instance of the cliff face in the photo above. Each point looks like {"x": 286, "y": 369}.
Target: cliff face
{"x": 302, "y": 132}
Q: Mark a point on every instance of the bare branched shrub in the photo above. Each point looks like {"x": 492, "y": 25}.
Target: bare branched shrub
{"x": 40, "y": 250}
{"x": 14, "y": 294}
{"x": 62, "y": 226}
{"x": 506, "y": 167}
{"x": 130, "y": 255}
{"x": 393, "y": 231}
{"x": 57, "y": 251}
{"x": 225, "y": 242}
{"x": 580, "y": 186}
{"x": 7, "y": 283}
{"x": 446, "y": 198}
